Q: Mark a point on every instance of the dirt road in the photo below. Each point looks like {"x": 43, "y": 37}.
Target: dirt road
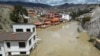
{"x": 61, "y": 40}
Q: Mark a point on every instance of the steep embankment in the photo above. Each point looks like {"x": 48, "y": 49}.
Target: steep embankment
{"x": 5, "y": 22}
{"x": 93, "y": 27}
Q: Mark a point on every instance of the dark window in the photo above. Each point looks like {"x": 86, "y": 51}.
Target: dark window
{"x": 28, "y": 30}
{"x": 30, "y": 42}
{"x": 9, "y": 53}
{"x": 8, "y": 44}
{"x": 34, "y": 37}
{"x": 22, "y": 52}
{"x": 33, "y": 29}
{"x": 0, "y": 47}
{"x": 19, "y": 30}
{"x": 0, "y": 54}
{"x": 22, "y": 44}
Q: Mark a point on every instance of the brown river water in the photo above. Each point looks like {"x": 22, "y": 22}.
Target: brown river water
{"x": 61, "y": 40}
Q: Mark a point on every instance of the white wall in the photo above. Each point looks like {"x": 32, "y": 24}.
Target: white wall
{"x": 2, "y": 51}
{"x": 24, "y": 27}
{"x": 32, "y": 42}
{"x": 14, "y": 49}
{"x": 66, "y": 16}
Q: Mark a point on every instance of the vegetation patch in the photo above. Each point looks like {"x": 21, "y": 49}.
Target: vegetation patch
{"x": 91, "y": 40}
{"x": 17, "y": 14}
{"x": 1, "y": 27}
{"x": 79, "y": 12}
{"x": 86, "y": 19}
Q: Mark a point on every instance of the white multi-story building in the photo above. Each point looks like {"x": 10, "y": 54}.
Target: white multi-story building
{"x": 65, "y": 17}
{"x": 19, "y": 42}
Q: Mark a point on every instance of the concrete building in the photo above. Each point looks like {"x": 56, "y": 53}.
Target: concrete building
{"x": 23, "y": 28}
{"x": 19, "y": 42}
{"x": 65, "y": 17}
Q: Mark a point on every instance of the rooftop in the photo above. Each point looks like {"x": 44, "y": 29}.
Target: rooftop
{"x": 23, "y": 24}
{"x": 11, "y": 36}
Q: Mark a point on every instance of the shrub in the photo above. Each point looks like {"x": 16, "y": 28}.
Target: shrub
{"x": 1, "y": 27}
{"x": 43, "y": 15}
{"x": 86, "y": 19}
{"x": 91, "y": 40}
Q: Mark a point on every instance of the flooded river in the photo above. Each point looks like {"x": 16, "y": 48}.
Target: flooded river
{"x": 61, "y": 40}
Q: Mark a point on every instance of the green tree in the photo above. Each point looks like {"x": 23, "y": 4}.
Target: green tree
{"x": 17, "y": 14}
{"x": 74, "y": 15}
{"x": 25, "y": 12}
{"x": 79, "y": 12}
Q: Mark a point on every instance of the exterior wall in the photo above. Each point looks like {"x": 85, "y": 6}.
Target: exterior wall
{"x": 2, "y": 50}
{"x": 24, "y": 27}
{"x": 33, "y": 42}
{"x": 14, "y": 49}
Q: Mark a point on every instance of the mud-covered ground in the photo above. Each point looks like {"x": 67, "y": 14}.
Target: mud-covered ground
{"x": 63, "y": 40}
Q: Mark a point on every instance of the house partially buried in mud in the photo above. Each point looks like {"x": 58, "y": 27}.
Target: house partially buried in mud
{"x": 19, "y": 42}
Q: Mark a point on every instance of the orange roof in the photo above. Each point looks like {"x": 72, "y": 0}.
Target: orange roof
{"x": 38, "y": 23}
{"x": 47, "y": 22}
{"x": 30, "y": 12}
{"x": 55, "y": 19}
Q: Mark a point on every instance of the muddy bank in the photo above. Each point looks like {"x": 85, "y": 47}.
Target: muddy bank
{"x": 61, "y": 40}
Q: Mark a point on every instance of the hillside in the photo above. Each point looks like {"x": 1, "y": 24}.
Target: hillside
{"x": 5, "y": 23}
{"x": 27, "y": 4}
{"x": 93, "y": 26}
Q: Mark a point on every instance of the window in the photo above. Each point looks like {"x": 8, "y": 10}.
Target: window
{"x": 22, "y": 44}
{"x": 33, "y": 29}
{"x": 34, "y": 37}
{"x": 19, "y": 30}
{"x": 0, "y": 47}
{"x": 0, "y": 54}
{"x": 8, "y": 44}
{"x": 22, "y": 52}
{"x": 9, "y": 53}
{"x": 30, "y": 42}
{"x": 28, "y": 30}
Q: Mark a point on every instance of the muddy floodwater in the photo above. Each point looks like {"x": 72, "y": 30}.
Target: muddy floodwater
{"x": 61, "y": 40}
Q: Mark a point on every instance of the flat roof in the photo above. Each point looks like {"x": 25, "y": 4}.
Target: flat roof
{"x": 12, "y": 36}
